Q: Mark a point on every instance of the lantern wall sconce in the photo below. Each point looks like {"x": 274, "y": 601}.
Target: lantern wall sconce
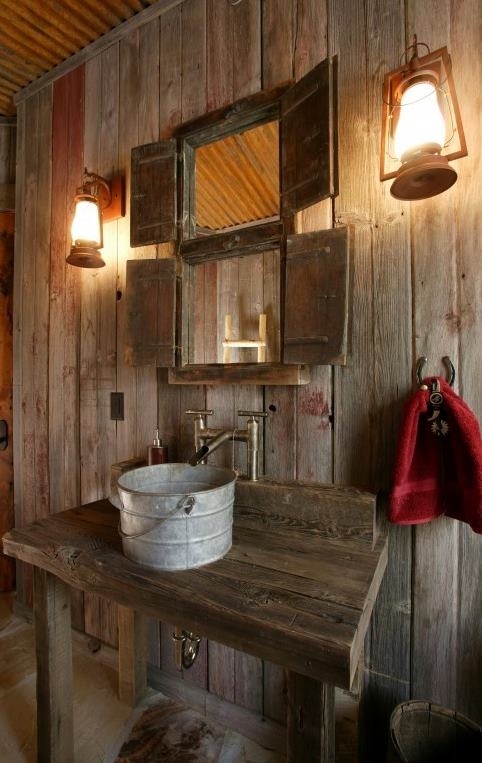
{"x": 97, "y": 201}
{"x": 421, "y": 125}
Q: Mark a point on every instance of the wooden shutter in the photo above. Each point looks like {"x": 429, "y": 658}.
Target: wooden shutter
{"x": 316, "y": 298}
{"x": 153, "y": 193}
{"x": 308, "y": 139}
{"x": 151, "y": 312}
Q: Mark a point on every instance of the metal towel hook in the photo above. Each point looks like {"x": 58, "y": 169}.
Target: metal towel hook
{"x": 449, "y": 366}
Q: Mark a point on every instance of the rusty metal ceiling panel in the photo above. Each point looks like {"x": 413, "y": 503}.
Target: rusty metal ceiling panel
{"x": 36, "y": 36}
{"x": 237, "y": 179}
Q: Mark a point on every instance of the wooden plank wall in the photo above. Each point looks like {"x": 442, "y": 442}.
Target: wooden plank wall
{"x": 7, "y": 226}
{"x": 416, "y": 290}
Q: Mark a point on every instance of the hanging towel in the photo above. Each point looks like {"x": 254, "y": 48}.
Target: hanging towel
{"x": 438, "y": 466}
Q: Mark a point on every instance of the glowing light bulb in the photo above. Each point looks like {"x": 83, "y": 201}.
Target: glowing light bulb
{"x": 86, "y": 225}
{"x": 421, "y": 122}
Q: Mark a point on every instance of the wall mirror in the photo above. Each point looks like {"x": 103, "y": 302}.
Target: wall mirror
{"x": 246, "y": 299}
{"x": 236, "y": 180}
{"x": 235, "y": 310}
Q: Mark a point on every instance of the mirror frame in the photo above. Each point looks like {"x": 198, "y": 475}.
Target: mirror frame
{"x": 240, "y": 116}
{"x": 245, "y": 114}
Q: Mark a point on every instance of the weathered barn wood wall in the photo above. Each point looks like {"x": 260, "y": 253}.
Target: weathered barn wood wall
{"x": 417, "y": 287}
{"x": 7, "y": 226}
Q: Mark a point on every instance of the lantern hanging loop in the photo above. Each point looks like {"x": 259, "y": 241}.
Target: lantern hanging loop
{"x": 92, "y": 183}
{"x": 414, "y": 46}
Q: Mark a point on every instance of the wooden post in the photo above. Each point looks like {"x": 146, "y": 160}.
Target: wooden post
{"x": 132, "y": 655}
{"x": 311, "y": 720}
{"x": 55, "y": 729}
{"x": 228, "y": 335}
{"x": 262, "y": 338}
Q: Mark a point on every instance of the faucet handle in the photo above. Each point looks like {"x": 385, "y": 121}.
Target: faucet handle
{"x": 198, "y": 413}
{"x": 254, "y": 414}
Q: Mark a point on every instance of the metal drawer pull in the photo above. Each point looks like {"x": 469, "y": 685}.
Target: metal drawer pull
{"x": 189, "y": 649}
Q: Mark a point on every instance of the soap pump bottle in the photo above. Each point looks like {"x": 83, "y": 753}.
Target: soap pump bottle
{"x": 157, "y": 452}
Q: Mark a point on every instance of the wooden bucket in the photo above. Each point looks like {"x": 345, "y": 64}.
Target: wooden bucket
{"x": 422, "y": 732}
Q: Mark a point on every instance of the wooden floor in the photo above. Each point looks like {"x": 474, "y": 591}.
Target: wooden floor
{"x": 102, "y": 722}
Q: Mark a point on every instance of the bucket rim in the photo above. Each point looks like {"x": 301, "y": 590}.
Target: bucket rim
{"x": 175, "y": 495}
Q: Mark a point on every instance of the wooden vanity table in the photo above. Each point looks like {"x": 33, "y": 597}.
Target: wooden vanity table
{"x": 297, "y": 588}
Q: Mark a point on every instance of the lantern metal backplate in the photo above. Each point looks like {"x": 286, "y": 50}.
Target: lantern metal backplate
{"x": 439, "y": 62}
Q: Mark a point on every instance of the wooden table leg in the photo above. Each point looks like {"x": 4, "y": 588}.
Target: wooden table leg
{"x": 311, "y": 720}
{"x": 55, "y": 728}
{"x": 132, "y": 655}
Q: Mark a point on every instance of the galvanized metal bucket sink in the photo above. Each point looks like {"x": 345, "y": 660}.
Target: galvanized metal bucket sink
{"x": 176, "y": 516}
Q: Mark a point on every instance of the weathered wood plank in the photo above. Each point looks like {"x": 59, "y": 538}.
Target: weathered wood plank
{"x": 193, "y": 59}
{"x": 18, "y": 335}
{"x": 311, "y": 720}
{"x": 465, "y": 20}
{"x": 246, "y": 48}
{"x": 436, "y": 333}
{"x": 43, "y": 176}
{"x": 321, "y": 510}
{"x": 28, "y": 235}
{"x": 55, "y": 728}
{"x": 7, "y": 519}
{"x": 126, "y": 434}
{"x": 183, "y": 48}
{"x": 71, "y": 317}
{"x": 314, "y": 405}
{"x": 219, "y": 60}
{"x": 132, "y": 655}
{"x": 64, "y": 323}
{"x": 98, "y": 339}
{"x": 221, "y": 246}
{"x": 149, "y": 117}
{"x": 67, "y": 168}
{"x": 280, "y": 449}
{"x": 386, "y": 652}
{"x": 277, "y": 41}
{"x": 243, "y": 373}
{"x": 170, "y": 50}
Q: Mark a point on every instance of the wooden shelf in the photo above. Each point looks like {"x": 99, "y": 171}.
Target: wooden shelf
{"x": 242, "y": 373}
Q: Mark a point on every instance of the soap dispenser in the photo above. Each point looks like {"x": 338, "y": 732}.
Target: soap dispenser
{"x": 157, "y": 452}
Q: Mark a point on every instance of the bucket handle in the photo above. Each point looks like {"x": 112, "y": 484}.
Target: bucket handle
{"x": 187, "y": 503}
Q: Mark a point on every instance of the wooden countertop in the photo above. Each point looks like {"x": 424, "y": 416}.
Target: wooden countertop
{"x": 294, "y": 597}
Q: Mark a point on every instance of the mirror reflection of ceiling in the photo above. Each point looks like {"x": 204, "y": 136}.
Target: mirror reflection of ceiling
{"x": 237, "y": 179}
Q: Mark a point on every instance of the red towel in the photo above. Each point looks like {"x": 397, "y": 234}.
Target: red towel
{"x": 438, "y": 473}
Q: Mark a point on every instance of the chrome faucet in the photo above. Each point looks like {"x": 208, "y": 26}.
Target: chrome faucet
{"x": 208, "y": 439}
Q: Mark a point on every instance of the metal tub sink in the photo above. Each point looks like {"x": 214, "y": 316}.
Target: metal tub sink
{"x": 176, "y": 516}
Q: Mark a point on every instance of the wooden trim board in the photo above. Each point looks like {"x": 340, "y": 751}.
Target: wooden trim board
{"x": 241, "y": 373}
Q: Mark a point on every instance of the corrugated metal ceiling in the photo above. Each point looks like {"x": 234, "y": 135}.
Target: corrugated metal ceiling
{"x": 36, "y": 35}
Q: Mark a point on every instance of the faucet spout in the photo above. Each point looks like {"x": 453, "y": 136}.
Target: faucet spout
{"x": 211, "y": 446}
{"x": 199, "y": 455}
